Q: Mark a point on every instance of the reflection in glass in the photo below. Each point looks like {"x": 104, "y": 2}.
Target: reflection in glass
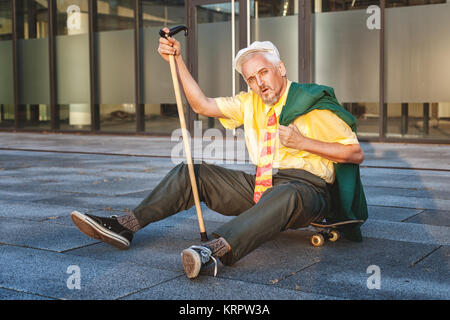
{"x": 5, "y": 20}
{"x": 402, "y": 3}
{"x": 269, "y": 8}
{"x": 343, "y": 5}
{"x": 6, "y": 66}
{"x": 72, "y": 64}
{"x": 33, "y": 64}
{"x": 346, "y": 57}
{"x": 113, "y": 15}
{"x": 115, "y": 65}
{"x": 161, "y": 115}
{"x": 418, "y": 69}
{"x": 269, "y": 20}
{"x": 215, "y": 56}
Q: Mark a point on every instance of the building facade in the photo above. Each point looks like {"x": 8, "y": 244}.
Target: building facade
{"x": 92, "y": 66}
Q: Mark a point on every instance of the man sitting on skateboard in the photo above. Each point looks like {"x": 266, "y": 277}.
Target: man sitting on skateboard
{"x": 302, "y": 142}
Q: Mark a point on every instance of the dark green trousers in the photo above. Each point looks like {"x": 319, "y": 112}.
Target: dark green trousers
{"x": 296, "y": 199}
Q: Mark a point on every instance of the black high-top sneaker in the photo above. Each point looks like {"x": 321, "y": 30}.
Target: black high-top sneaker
{"x": 108, "y": 230}
{"x": 196, "y": 257}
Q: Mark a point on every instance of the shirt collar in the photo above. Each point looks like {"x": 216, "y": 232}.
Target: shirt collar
{"x": 279, "y": 105}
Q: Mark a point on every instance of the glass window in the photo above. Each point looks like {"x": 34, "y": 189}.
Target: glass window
{"x": 115, "y": 15}
{"x": 403, "y": 3}
{"x": 72, "y": 64}
{"x": 343, "y": 5}
{"x": 417, "y": 70}
{"x": 6, "y": 66}
{"x": 269, "y": 20}
{"x": 215, "y": 55}
{"x": 115, "y": 65}
{"x": 161, "y": 115}
{"x": 33, "y": 64}
{"x": 346, "y": 55}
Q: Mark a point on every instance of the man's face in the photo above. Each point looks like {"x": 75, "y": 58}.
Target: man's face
{"x": 265, "y": 79}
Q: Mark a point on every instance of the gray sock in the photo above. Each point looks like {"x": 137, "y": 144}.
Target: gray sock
{"x": 130, "y": 222}
{"x": 219, "y": 247}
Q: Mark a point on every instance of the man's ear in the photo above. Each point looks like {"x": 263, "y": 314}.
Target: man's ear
{"x": 282, "y": 69}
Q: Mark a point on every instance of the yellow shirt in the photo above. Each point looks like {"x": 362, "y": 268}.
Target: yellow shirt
{"x": 248, "y": 109}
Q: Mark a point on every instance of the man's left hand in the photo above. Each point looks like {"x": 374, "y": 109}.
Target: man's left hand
{"x": 291, "y": 137}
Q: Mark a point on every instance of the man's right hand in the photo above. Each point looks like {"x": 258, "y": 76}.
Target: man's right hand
{"x": 196, "y": 98}
{"x": 169, "y": 46}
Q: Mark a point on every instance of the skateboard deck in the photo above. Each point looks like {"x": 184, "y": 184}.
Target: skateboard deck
{"x": 328, "y": 231}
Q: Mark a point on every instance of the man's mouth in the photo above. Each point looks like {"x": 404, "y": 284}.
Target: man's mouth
{"x": 265, "y": 90}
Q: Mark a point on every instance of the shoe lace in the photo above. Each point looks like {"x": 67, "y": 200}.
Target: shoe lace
{"x": 205, "y": 255}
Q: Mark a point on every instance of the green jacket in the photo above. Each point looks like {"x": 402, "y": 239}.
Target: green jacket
{"x": 349, "y": 201}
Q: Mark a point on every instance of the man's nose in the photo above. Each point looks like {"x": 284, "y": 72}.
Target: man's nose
{"x": 259, "y": 81}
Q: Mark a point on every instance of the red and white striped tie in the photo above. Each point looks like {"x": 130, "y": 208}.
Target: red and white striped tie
{"x": 264, "y": 169}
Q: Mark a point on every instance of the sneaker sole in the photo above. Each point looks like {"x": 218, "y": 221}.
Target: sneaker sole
{"x": 92, "y": 229}
{"x": 191, "y": 263}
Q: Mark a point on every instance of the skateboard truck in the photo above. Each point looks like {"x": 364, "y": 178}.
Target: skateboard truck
{"x": 328, "y": 231}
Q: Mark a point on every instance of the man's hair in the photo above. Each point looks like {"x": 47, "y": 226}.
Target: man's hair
{"x": 272, "y": 58}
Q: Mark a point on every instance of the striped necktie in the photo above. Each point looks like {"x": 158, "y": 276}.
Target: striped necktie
{"x": 264, "y": 170}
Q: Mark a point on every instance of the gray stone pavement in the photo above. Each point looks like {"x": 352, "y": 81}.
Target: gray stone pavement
{"x": 43, "y": 177}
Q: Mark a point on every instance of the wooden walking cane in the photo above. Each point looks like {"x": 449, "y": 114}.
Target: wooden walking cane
{"x": 187, "y": 148}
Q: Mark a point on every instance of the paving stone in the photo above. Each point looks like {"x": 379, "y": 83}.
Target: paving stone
{"x": 51, "y": 162}
{"x": 408, "y": 232}
{"x": 48, "y": 273}
{"x": 432, "y": 217}
{"x": 42, "y": 178}
{"x": 29, "y": 195}
{"x": 413, "y": 163}
{"x": 391, "y": 213}
{"x": 433, "y": 182}
{"x": 74, "y": 201}
{"x": 109, "y": 187}
{"x": 211, "y": 288}
{"x": 406, "y": 202}
{"x": 351, "y": 282}
{"x": 406, "y": 192}
{"x": 151, "y": 173}
{"x": 7, "y": 172}
{"x": 403, "y": 173}
{"x": 342, "y": 271}
{"x": 58, "y": 172}
{"x": 7, "y": 294}
{"x": 41, "y": 235}
{"x": 407, "y": 182}
{"x": 435, "y": 261}
{"x": 291, "y": 252}
{"x": 33, "y": 211}
{"x": 406, "y": 155}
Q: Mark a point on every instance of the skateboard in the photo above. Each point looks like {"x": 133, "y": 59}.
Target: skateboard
{"x": 328, "y": 231}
